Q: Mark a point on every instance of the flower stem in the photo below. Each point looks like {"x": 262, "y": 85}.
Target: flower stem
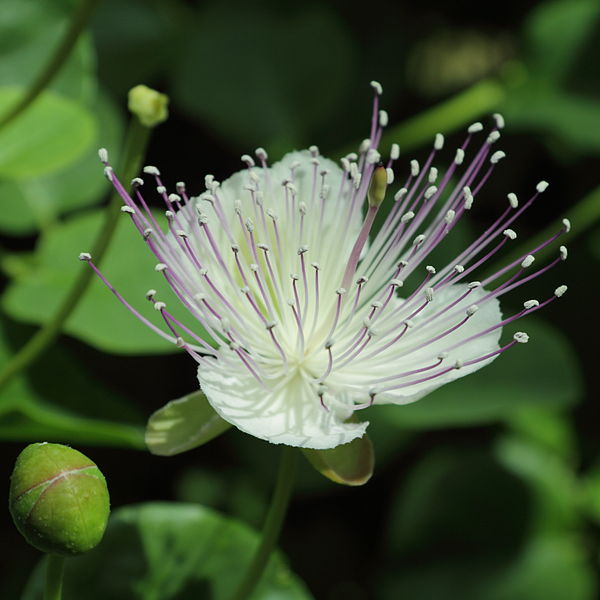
{"x": 78, "y": 23}
{"x": 273, "y": 523}
{"x": 135, "y": 148}
{"x": 54, "y": 577}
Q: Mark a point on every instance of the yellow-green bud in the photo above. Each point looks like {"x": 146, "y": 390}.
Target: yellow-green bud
{"x": 378, "y": 186}
{"x": 148, "y": 105}
{"x": 58, "y": 499}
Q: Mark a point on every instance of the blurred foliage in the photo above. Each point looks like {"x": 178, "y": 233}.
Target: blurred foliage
{"x": 484, "y": 490}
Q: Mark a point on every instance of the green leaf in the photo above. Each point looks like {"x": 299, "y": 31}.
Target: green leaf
{"x": 183, "y": 424}
{"x": 160, "y": 551}
{"x": 349, "y": 464}
{"x": 52, "y": 133}
{"x": 262, "y": 90}
{"x": 520, "y": 378}
{"x": 41, "y": 200}
{"x": 99, "y": 319}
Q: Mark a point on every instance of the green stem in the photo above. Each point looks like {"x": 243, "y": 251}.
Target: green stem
{"x": 582, "y": 216}
{"x": 54, "y": 577}
{"x": 78, "y": 23}
{"x": 135, "y": 148}
{"x": 273, "y": 523}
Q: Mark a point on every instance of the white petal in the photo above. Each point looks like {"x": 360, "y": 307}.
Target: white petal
{"x": 290, "y": 414}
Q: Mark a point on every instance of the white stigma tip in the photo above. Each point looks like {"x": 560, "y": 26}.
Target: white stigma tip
{"x": 499, "y": 120}
{"x": 560, "y": 290}
{"x": 567, "y": 225}
{"x": 527, "y": 261}
{"x": 542, "y": 186}
{"x": 160, "y": 267}
{"x": 414, "y": 168}
{"x": 86, "y": 256}
{"x": 459, "y": 157}
{"x": 383, "y": 118}
{"x": 475, "y": 127}
{"x": 150, "y": 170}
{"x": 377, "y": 87}
{"x": 395, "y": 152}
{"x": 493, "y": 137}
{"x": 103, "y": 154}
{"x": 529, "y": 304}
{"x": 513, "y": 200}
{"x": 510, "y": 234}
{"x": 497, "y": 156}
{"x": 438, "y": 143}
{"x": 521, "y": 337}
{"x": 472, "y": 310}
{"x": 430, "y": 191}
{"x": 563, "y": 252}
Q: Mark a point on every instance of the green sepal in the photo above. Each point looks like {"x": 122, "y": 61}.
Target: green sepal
{"x": 182, "y": 425}
{"x": 58, "y": 499}
{"x": 348, "y": 464}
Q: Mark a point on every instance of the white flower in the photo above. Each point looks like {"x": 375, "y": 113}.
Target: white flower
{"x": 312, "y": 320}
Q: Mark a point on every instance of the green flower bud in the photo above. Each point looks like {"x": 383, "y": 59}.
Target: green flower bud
{"x": 148, "y": 105}
{"x": 58, "y": 499}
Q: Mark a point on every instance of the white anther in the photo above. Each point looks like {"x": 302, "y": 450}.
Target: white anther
{"x": 174, "y": 198}
{"x": 150, "y": 170}
{"x": 85, "y": 256}
{"x": 245, "y": 290}
{"x": 567, "y": 225}
{"x": 302, "y": 208}
{"x": 529, "y": 304}
{"x": 513, "y": 200}
{"x": 200, "y": 297}
{"x": 493, "y": 137}
{"x": 459, "y": 268}
{"x": 352, "y": 156}
{"x": 396, "y": 282}
{"x": 354, "y": 173}
{"x": 316, "y": 266}
{"x": 474, "y": 284}
{"x": 314, "y": 150}
{"x": 527, "y": 261}
{"x": 357, "y": 181}
{"x": 563, "y": 252}
{"x": 254, "y": 267}
{"x": 108, "y": 173}
{"x": 431, "y": 270}
{"x": 328, "y": 344}
{"x": 159, "y": 306}
{"x": 150, "y": 294}
{"x": 472, "y": 310}
{"x": 161, "y": 189}
{"x": 395, "y": 152}
{"x": 499, "y": 120}
{"x": 468, "y": 197}
{"x": 246, "y": 158}
{"x": 510, "y": 234}
{"x": 414, "y": 168}
{"x": 377, "y": 87}
{"x": 409, "y": 323}
{"x": 458, "y": 364}
{"x": 160, "y": 267}
{"x": 497, "y": 156}
{"x": 433, "y": 175}
{"x": 148, "y": 232}
{"x": 542, "y": 186}
{"x": 521, "y": 337}
{"x": 438, "y": 142}
{"x": 345, "y": 164}
{"x": 272, "y": 215}
{"x": 406, "y": 217}
{"x": 364, "y": 145}
{"x": 418, "y": 240}
{"x": 459, "y": 156}
{"x": 179, "y": 342}
{"x": 430, "y": 191}
{"x": 429, "y": 294}
{"x": 136, "y": 181}
{"x": 103, "y": 154}
{"x": 449, "y": 216}
{"x": 203, "y": 272}
{"x": 383, "y": 118}
{"x": 400, "y": 194}
{"x": 560, "y": 290}
{"x": 171, "y": 215}
{"x": 475, "y": 127}
{"x": 261, "y": 153}
{"x": 181, "y": 233}
{"x": 269, "y": 325}
{"x": 249, "y": 225}
{"x": 376, "y": 304}
{"x": 373, "y": 156}
{"x": 127, "y": 209}
{"x": 340, "y": 291}
{"x": 442, "y": 356}
{"x": 302, "y": 250}
{"x": 180, "y": 187}
{"x": 390, "y": 175}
